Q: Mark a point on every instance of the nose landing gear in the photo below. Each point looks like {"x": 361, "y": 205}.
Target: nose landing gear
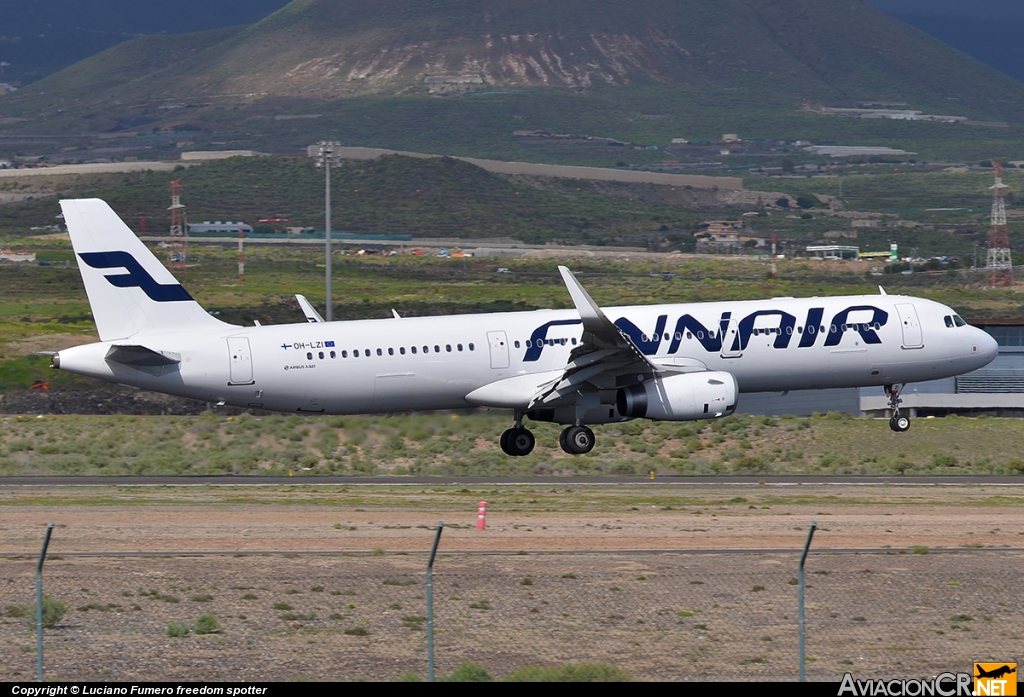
{"x": 898, "y": 422}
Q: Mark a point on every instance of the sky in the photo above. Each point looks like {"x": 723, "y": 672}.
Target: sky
{"x": 976, "y": 9}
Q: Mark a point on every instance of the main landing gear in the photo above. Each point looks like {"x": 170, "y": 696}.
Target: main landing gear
{"x": 898, "y": 422}
{"x": 576, "y": 440}
{"x": 519, "y": 441}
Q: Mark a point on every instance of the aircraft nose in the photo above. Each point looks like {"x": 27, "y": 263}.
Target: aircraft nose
{"x": 988, "y": 347}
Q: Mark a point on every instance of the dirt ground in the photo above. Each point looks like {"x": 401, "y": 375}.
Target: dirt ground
{"x": 541, "y": 518}
{"x": 327, "y": 583}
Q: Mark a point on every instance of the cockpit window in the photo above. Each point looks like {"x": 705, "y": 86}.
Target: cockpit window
{"x": 959, "y": 321}
{"x": 948, "y": 319}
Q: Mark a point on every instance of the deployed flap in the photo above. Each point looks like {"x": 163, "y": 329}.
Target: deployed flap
{"x": 513, "y": 393}
{"x": 135, "y": 355}
{"x": 312, "y": 316}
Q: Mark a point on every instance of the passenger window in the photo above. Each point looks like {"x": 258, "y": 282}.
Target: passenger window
{"x": 401, "y": 350}
{"x": 321, "y": 354}
{"x": 666, "y": 336}
{"x": 426, "y": 349}
{"x": 517, "y": 344}
{"x": 355, "y": 353}
{"x": 413, "y": 349}
{"x": 574, "y": 341}
{"x": 367, "y": 352}
{"x": 529, "y": 344}
{"x": 689, "y": 335}
{"x": 448, "y": 348}
{"x": 437, "y": 349}
{"x": 379, "y": 352}
{"x": 391, "y": 352}
{"x": 344, "y": 354}
{"x": 333, "y": 354}
{"x": 459, "y": 346}
{"x": 309, "y": 356}
{"x": 471, "y": 347}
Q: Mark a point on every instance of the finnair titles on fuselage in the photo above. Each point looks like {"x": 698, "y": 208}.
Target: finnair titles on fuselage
{"x": 576, "y": 367}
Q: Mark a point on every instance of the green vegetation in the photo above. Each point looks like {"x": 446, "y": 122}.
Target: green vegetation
{"x": 465, "y": 444}
{"x": 439, "y": 197}
{"x": 53, "y": 611}
{"x": 206, "y": 624}
{"x": 177, "y": 630}
{"x": 570, "y": 672}
{"x": 468, "y": 672}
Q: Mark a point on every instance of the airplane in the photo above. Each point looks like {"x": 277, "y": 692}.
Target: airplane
{"x": 578, "y": 367}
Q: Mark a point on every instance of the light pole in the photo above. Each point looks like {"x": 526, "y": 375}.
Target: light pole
{"x": 328, "y": 153}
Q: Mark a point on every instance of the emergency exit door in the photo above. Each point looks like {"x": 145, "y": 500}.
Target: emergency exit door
{"x": 912, "y": 335}
{"x": 241, "y": 361}
{"x": 498, "y": 344}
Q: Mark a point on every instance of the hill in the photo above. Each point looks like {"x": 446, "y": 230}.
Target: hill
{"x": 44, "y": 36}
{"x": 697, "y": 68}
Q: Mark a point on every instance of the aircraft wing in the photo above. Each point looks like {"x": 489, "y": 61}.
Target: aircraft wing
{"x": 605, "y": 358}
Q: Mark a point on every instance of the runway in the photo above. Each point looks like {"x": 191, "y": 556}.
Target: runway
{"x": 660, "y": 481}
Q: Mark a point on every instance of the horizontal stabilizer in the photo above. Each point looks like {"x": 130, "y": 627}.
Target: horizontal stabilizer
{"x": 141, "y": 356}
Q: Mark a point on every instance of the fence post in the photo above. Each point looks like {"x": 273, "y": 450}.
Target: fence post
{"x": 800, "y": 592}
{"x": 430, "y": 604}
{"x": 39, "y": 604}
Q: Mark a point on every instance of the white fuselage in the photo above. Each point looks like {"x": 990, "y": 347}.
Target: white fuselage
{"x": 434, "y": 362}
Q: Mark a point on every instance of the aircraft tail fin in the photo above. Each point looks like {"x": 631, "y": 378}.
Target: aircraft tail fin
{"x": 129, "y": 290}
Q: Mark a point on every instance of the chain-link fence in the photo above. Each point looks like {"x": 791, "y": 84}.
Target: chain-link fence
{"x": 657, "y": 616}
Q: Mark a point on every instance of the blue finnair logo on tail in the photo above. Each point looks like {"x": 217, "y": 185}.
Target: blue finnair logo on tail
{"x": 137, "y": 277}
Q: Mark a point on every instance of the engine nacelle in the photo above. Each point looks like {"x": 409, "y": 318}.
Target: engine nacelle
{"x": 685, "y": 397}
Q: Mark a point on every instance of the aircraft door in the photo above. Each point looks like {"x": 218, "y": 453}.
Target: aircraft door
{"x": 730, "y": 341}
{"x": 912, "y": 335}
{"x": 241, "y": 361}
{"x": 498, "y": 344}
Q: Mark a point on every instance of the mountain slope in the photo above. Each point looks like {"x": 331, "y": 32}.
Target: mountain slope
{"x": 461, "y": 76}
{"x": 834, "y": 50}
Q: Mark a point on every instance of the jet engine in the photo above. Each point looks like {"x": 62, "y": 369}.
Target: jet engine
{"x": 685, "y": 397}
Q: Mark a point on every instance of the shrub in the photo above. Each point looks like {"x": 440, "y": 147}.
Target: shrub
{"x": 206, "y": 624}
{"x": 177, "y": 630}
{"x": 53, "y": 611}
{"x": 570, "y": 672}
{"x": 468, "y": 672}
{"x": 357, "y": 631}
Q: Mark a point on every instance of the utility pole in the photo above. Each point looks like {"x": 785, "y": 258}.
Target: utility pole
{"x": 328, "y": 153}
{"x": 999, "y": 261}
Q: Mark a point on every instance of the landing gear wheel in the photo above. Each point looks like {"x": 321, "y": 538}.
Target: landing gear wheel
{"x": 899, "y": 423}
{"x": 517, "y": 442}
{"x": 577, "y": 440}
